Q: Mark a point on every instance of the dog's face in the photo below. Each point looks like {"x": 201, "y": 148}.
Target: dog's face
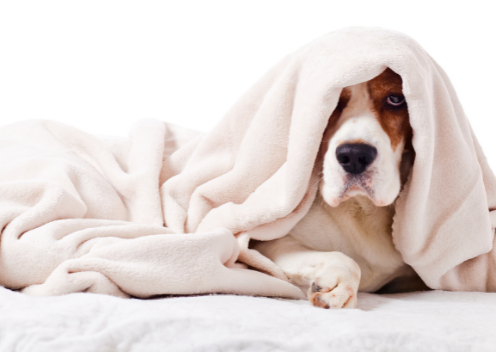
{"x": 368, "y": 134}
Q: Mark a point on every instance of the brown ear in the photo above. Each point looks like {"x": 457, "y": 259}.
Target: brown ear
{"x": 406, "y": 164}
{"x": 326, "y": 136}
{"x": 333, "y": 120}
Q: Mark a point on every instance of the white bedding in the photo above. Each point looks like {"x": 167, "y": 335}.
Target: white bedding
{"x": 424, "y": 321}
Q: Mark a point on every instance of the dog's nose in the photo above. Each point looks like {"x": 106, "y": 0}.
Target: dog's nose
{"x": 354, "y": 158}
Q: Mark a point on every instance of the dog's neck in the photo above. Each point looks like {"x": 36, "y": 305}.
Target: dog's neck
{"x": 363, "y": 212}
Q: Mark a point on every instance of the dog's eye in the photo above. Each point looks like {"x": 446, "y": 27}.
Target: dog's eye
{"x": 395, "y": 100}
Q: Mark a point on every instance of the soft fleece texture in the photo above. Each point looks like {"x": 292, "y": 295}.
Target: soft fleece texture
{"x": 436, "y": 321}
{"x": 81, "y": 213}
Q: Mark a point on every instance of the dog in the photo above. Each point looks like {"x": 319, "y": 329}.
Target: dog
{"x": 344, "y": 243}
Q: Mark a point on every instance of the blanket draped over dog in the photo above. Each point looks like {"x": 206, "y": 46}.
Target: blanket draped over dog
{"x": 170, "y": 211}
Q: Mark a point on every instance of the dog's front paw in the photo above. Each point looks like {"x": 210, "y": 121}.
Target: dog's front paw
{"x": 335, "y": 287}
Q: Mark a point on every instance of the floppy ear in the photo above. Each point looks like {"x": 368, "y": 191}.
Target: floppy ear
{"x": 407, "y": 160}
{"x": 328, "y": 132}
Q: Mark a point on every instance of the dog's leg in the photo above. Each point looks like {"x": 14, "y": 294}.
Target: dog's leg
{"x": 331, "y": 279}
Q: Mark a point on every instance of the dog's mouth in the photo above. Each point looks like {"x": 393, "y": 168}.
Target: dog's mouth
{"x": 357, "y": 185}
{"x": 353, "y": 185}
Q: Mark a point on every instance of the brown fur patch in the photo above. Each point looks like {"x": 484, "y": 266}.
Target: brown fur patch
{"x": 394, "y": 120}
{"x": 344, "y": 98}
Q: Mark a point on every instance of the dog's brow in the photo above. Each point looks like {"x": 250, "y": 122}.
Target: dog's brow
{"x": 394, "y": 122}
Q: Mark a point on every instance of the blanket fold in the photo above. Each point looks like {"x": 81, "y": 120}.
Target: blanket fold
{"x": 171, "y": 211}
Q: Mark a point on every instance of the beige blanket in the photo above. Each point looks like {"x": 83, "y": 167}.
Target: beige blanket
{"x": 167, "y": 211}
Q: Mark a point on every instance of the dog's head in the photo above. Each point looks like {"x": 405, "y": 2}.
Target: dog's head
{"x": 368, "y": 142}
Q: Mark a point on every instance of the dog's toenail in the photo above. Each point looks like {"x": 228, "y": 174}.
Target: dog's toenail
{"x": 319, "y": 302}
{"x": 315, "y": 287}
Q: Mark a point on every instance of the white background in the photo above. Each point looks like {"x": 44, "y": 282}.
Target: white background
{"x": 101, "y": 65}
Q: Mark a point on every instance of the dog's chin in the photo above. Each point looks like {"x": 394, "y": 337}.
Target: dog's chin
{"x": 334, "y": 197}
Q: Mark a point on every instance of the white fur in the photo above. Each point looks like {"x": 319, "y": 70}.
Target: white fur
{"x": 344, "y": 243}
{"x": 381, "y": 180}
